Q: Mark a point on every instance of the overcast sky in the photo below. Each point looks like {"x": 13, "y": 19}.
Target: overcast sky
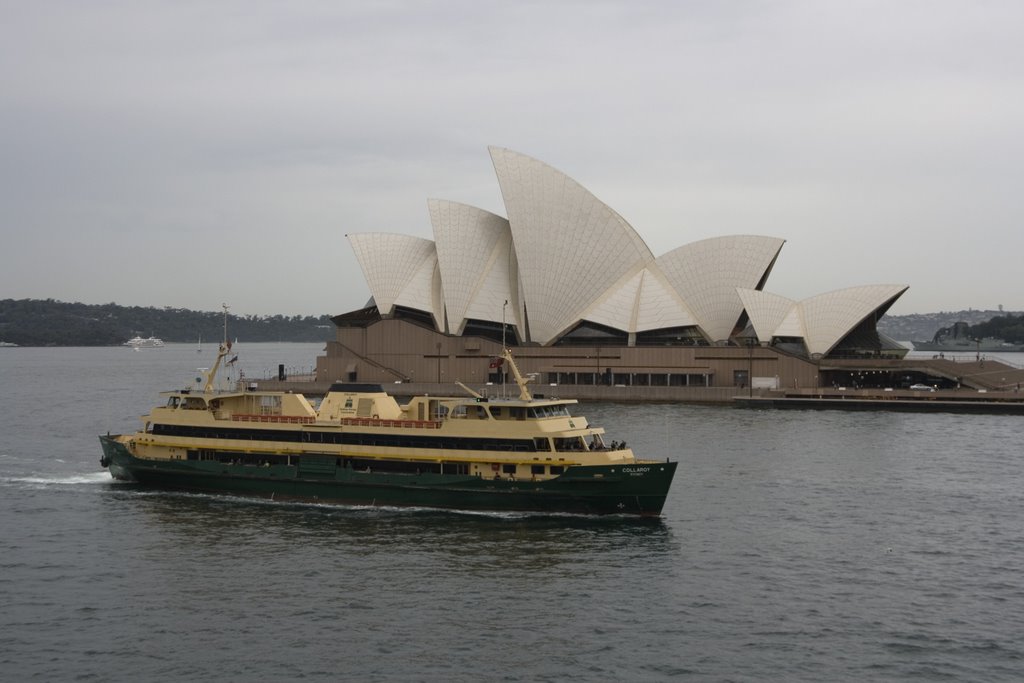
{"x": 192, "y": 153}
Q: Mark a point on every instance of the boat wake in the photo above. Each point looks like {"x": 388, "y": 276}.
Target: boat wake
{"x": 76, "y": 479}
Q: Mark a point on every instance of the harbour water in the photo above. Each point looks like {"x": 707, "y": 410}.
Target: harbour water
{"x": 796, "y": 546}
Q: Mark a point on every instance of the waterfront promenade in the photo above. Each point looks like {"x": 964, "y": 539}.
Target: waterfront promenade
{"x": 881, "y": 382}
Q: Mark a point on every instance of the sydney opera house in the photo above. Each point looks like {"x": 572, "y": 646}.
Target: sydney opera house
{"x": 568, "y": 284}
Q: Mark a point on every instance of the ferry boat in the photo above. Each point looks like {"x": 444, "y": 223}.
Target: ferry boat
{"x": 147, "y": 342}
{"x": 360, "y": 446}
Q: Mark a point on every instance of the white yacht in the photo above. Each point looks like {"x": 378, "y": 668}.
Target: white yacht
{"x": 147, "y": 342}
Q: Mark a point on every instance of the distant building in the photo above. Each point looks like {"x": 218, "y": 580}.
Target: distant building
{"x": 568, "y": 281}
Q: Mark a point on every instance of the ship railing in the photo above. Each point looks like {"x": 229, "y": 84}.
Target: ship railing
{"x": 378, "y": 422}
{"x": 287, "y": 419}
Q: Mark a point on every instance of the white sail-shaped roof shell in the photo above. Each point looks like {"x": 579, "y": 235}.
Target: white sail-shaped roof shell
{"x": 707, "y": 273}
{"x": 618, "y": 307}
{"x": 643, "y": 302}
{"x": 474, "y": 258}
{"x": 766, "y": 311}
{"x": 571, "y": 247}
{"x": 792, "y": 325}
{"x": 563, "y": 257}
{"x": 831, "y": 316}
{"x": 821, "y": 321}
{"x": 400, "y": 270}
{"x": 499, "y": 285}
{"x": 660, "y": 305}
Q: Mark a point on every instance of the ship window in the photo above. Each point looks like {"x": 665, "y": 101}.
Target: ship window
{"x": 455, "y": 468}
{"x": 549, "y": 411}
{"x": 557, "y": 469}
{"x": 365, "y": 408}
{"x": 508, "y": 469}
{"x": 536, "y": 469}
{"x": 172, "y": 402}
{"x": 496, "y": 411}
{"x": 541, "y": 443}
{"x": 270, "y": 405}
{"x": 544, "y": 411}
{"x": 394, "y": 466}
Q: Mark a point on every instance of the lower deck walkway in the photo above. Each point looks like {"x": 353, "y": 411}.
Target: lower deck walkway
{"x": 976, "y": 373}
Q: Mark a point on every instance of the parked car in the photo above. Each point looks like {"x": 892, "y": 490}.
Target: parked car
{"x": 921, "y": 387}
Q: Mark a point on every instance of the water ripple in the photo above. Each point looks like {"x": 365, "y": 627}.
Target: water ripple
{"x": 797, "y": 547}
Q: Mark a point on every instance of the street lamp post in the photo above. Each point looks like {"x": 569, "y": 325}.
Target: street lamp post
{"x": 501, "y": 365}
{"x": 438, "y": 362}
{"x": 750, "y": 368}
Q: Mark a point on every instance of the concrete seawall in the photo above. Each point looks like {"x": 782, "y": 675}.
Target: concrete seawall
{"x": 950, "y": 401}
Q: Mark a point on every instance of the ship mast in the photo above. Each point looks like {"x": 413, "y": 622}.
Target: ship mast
{"x": 222, "y": 352}
{"x": 524, "y": 393}
{"x": 506, "y": 353}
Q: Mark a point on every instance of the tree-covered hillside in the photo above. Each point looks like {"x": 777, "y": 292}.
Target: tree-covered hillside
{"x": 35, "y": 322}
{"x": 1007, "y": 327}
{"x": 923, "y": 326}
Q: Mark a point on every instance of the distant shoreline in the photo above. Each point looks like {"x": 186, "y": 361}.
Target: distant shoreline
{"x": 50, "y": 323}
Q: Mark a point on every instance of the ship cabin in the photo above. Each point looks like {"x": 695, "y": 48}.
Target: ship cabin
{"x": 547, "y": 422}
{"x": 188, "y": 406}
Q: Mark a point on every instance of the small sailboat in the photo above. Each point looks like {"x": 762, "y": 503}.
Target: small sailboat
{"x": 199, "y": 347}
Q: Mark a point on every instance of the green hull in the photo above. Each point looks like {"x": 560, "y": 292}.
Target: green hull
{"x": 637, "y": 489}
